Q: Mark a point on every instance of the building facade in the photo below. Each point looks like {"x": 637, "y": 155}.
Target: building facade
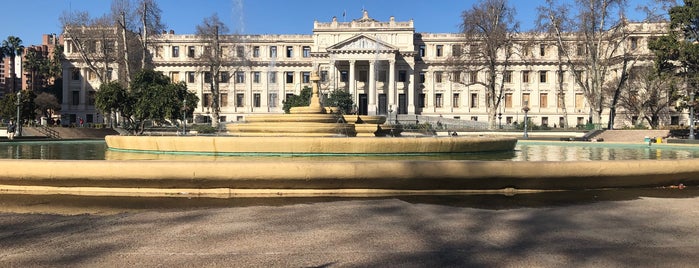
{"x": 386, "y": 66}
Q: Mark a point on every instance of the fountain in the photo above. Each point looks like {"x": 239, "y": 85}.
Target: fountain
{"x": 312, "y": 129}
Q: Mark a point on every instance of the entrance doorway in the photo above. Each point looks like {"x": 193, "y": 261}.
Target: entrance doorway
{"x": 383, "y": 104}
{"x": 363, "y": 105}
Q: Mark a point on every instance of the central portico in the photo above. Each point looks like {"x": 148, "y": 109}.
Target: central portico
{"x": 372, "y": 60}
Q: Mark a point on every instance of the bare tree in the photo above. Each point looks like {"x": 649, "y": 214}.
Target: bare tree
{"x": 600, "y": 33}
{"x": 93, "y": 39}
{"x": 650, "y": 95}
{"x": 209, "y": 31}
{"x": 137, "y": 21}
{"x": 489, "y": 35}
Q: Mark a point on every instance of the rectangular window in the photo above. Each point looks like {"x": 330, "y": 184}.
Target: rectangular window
{"x": 542, "y": 50}
{"x": 507, "y": 76}
{"x": 542, "y": 76}
{"x": 508, "y": 100}
{"x": 272, "y": 52}
{"x": 579, "y": 101}
{"x": 272, "y": 77}
{"x": 224, "y": 77}
{"x": 240, "y": 51}
{"x": 207, "y": 77}
{"x": 240, "y": 100}
{"x": 207, "y": 100}
{"x": 421, "y": 100}
{"x": 422, "y": 77}
{"x": 525, "y": 76}
{"x": 545, "y": 121}
{"x": 422, "y": 50}
{"x": 306, "y": 77}
{"x": 363, "y": 77}
{"x": 256, "y": 100}
{"x": 323, "y": 76}
{"x": 580, "y": 50}
{"x": 525, "y": 99}
{"x": 190, "y": 51}
{"x": 455, "y": 100}
{"x": 256, "y": 51}
{"x": 158, "y": 52}
{"x": 306, "y": 52}
{"x": 543, "y": 100}
{"x": 256, "y": 77}
{"x": 224, "y": 100}
{"x": 272, "y": 101}
{"x": 91, "y": 97}
{"x": 561, "y": 75}
{"x": 75, "y": 74}
{"x": 382, "y": 76}
{"x": 402, "y": 76}
{"x": 456, "y": 76}
{"x": 344, "y": 76}
{"x": 175, "y": 51}
{"x": 76, "y": 97}
{"x": 438, "y": 100}
{"x": 289, "y": 77}
{"x": 190, "y": 77}
{"x": 440, "y": 50}
{"x": 473, "y": 77}
{"x": 289, "y": 51}
{"x": 438, "y": 77}
{"x": 207, "y": 51}
{"x": 240, "y": 77}
{"x": 473, "y": 49}
{"x": 634, "y": 42}
{"x": 456, "y": 50}
{"x": 474, "y": 100}
{"x": 175, "y": 77}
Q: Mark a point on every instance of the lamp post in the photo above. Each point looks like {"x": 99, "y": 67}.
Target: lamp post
{"x": 184, "y": 117}
{"x": 19, "y": 113}
{"x": 691, "y": 115}
{"x": 500, "y": 119}
{"x": 526, "y": 111}
{"x": 390, "y": 111}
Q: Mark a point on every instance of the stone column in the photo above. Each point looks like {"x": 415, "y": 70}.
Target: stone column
{"x": 411, "y": 90}
{"x": 392, "y": 92}
{"x": 332, "y": 73}
{"x": 372, "y": 88}
{"x": 351, "y": 81}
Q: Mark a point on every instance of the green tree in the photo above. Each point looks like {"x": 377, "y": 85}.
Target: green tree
{"x": 8, "y": 106}
{"x": 298, "y": 100}
{"x": 341, "y": 99}
{"x": 46, "y": 103}
{"x": 156, "y": 99}
{"x": 112, "y": 99}
{"x": 677, "y": 52}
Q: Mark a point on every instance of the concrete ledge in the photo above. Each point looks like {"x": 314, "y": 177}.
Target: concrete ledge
{"x": 383, "y": 175}
{"x": 311, "y": 145}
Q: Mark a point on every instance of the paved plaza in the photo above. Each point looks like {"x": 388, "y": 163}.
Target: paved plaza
{"x": 630, "y": 228}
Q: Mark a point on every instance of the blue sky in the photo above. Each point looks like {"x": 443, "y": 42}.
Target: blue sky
{"x": 264, "y": 16}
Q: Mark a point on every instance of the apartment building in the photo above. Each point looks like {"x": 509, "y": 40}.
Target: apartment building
{"x": 386, "y": 66}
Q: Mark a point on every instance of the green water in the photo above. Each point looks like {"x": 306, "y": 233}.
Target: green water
{"x": 525, "y": 151}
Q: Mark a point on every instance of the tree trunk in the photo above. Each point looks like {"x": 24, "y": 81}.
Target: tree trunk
{"x": 127, "y": 70}
{"x": 145, "y": 35}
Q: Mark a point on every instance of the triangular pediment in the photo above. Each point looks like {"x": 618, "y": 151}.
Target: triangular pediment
{"x": 362, "y": 42}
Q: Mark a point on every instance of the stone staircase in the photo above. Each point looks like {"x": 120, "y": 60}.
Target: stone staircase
{"x": 631, "y": 135}
{"x": 68, "y": 133}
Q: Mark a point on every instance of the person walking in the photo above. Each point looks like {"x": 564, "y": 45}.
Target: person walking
{"x": 11, "y": 127}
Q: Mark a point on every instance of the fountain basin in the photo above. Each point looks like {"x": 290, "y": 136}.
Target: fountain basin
{"x": 310, "y": 145}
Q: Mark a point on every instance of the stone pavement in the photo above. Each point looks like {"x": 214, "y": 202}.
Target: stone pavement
{"x": 593, "y": 229}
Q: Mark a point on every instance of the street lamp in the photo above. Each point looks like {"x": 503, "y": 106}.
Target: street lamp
{"x": 526, "y": 111}
{"x": 691, "y": 115}
{"x": 500, "y": 119}
{"x": 19, "y": 113}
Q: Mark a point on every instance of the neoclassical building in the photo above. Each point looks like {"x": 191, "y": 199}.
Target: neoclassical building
{"x": 386, "y": 66}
